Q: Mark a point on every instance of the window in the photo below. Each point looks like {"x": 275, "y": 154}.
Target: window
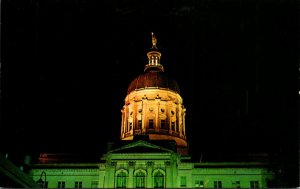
{"x": 163, "y": 124}
{"x": 130, "y": 126}
{"x": 254, "y": 184}
{"x": 140, "y": 180}
{"x": 183, "y": 181}
{"x": 94, "y": 184}
{"x": 199, "y": 184}
{"x": 121, "y": 180}
{"x": 61, "y": 184}
{"x": 151, "y": 125}
{"x": 173, "y": 126}
{"x": 139, "y": 124}
{"x": 236, "y": 184}
{"x": 217, "y": 184}
{"x": 159, "y": 180}
{"x": 78, "y": 184}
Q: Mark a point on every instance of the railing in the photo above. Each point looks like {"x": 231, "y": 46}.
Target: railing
{"x": 138, "y": 132}
{"x": 155, "y": 131}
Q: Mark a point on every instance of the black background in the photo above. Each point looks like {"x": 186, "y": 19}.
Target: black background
{"x": 66, "y": 66}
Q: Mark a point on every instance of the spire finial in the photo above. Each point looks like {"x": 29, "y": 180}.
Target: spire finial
{"x": 154, "y": 57}
{"x": 154, "y": 41}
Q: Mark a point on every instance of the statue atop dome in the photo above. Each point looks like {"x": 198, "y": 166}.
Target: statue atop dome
{"x": 154, "y": 41}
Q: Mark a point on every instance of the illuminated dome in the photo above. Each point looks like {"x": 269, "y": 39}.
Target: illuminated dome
{"x": 153, "y": 107}
{"x": 153, "y": 79}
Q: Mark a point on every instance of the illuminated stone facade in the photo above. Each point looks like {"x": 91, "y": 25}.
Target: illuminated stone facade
{"x": 141, "y": 164}
{"x": 153, "y": 150}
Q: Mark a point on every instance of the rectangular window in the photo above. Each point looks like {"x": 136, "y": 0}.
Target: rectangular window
{"x": 61, "y": 184}
{"x": 183, "y": 181}
{"x": 78, "y": 184}
{"x": 199, "y": 184}
{"x": 94, "y": 184}
{"x": 162, "y": 124}
{"x": 130, "y": 126}
{"x": 236, "y": 184}
{"x": 151, "y": 124}
{"x": 139, "y": 124}
{"x": 217, "y": 184}
{"x": 254, "y": 184}
{"x": 173, "y": 126}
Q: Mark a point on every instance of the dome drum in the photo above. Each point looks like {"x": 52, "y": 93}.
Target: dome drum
{"x": 158, "y": 113}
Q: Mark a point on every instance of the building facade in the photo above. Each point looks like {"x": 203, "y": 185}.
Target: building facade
{"x": 12, "y": 176}
{"x": 153, "y": 148}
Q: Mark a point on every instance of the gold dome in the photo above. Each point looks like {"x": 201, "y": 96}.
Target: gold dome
{"x": 153, "y": 79}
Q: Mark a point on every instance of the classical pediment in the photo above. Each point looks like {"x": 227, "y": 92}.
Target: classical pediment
{"x": 140, "y": 146}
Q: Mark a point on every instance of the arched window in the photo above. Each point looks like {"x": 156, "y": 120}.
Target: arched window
{"x": 121, "y": 179}
{"x": 159, "y": 180}
{"x": 140, "y": 179}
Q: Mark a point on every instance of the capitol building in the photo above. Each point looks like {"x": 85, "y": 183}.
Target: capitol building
{"x": 153, "y": 150}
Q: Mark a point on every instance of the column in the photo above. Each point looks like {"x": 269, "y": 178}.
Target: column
{"x": 131, "y": 166}
{"x": 149, "y": 174}
{"x": 169, "y": 175}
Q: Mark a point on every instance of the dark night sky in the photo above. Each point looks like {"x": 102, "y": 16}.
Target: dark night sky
{"x": 67, "y": 65}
